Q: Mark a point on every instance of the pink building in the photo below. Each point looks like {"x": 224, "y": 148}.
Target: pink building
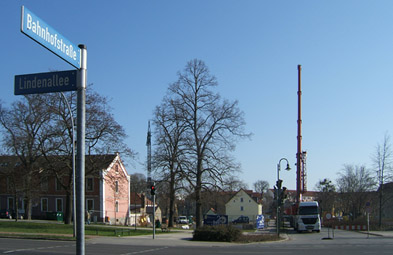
{"x": 114, "y": 193}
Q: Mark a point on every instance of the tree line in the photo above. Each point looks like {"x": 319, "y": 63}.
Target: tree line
{"x": 358, "y": 188}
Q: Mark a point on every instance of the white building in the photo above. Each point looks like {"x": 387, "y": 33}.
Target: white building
{"x": 242, "y": 204}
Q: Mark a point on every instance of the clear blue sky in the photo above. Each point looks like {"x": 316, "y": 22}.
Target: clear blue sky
{"x": 135, "y": 49}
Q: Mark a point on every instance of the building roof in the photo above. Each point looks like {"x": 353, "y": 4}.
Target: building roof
{"x": 136, "y": 198}
{"x": 92, "y": 162}
{"x": 250, "y": 193}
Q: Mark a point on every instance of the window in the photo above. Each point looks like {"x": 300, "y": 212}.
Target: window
{"x": 116, "y": 186}
{"x": 241, "y": 208}
{"x": 89, "y": 184}
{"x": 241, "y": 199}
{"x": 58, "y": 184}
{"x": 9, "y": 185}
{"x": 3, "y": 164}
{"x": 117, "y": 206}
{"x": 59, "y": 204}
{"x": 44, "y": 204}
{"x": 24, "y": 204}
{"x": 89, "y": 204}
{"x": 10, "y": 203}
{"x": 44, "y": 183}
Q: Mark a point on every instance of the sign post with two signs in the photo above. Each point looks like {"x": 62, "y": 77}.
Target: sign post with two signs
{"x": 74, "y": 80}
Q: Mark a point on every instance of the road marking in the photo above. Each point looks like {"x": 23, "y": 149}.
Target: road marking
{"x": 145, "y": 251}
{"x": 38, "y": 248}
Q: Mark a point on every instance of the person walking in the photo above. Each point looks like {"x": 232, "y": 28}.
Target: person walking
{"x": 88, "y": 217}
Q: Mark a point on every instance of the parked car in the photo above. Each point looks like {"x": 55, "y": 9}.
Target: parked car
{"x": 7, "y": 214}
{"x": 182, "y": 220}
{"x": 241, "y": 219}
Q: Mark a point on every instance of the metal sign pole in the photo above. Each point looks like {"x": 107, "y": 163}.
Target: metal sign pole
{"x": 81, "y": 119}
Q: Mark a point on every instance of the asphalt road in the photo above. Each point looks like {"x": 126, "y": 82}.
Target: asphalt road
{"x": 344, "y": 242}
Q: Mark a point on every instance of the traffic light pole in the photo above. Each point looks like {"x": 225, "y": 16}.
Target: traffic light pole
{"x": 154, "y": 216}
{"x": 153, "y": 193}
{"x": 278, "y": 214}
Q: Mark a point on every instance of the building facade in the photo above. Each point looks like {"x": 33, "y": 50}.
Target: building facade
{"x": 48, "y": 188}
{"x": 243, "y": 204}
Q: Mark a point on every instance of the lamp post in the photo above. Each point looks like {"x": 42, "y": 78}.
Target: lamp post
{"x": 278, "y": 184}
{"x": 73, "y": 166}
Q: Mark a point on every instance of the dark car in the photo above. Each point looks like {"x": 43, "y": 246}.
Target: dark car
{"x": 241, "y": 219}
{"x": 7, "y": 214}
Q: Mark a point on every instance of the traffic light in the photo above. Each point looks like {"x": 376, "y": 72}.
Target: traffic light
{"x": 152, "y": 190}
{"x": 279, "y": 184}
{"x": 282, "y": 195}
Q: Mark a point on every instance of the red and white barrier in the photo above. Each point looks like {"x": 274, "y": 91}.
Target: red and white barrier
{"x": 351, "y": 227}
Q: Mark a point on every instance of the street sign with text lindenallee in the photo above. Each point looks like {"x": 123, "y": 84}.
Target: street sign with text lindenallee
{"x": 38, "y": 83}
{"x": 42, "y": 33}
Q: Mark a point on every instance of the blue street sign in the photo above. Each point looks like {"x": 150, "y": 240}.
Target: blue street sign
{"x": 42, "y": 33}
{"x": 260, "y": 221}
{"x": 38, "y": 83}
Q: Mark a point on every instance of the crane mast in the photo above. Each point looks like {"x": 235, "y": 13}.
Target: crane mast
{"x": 301, "y": 174}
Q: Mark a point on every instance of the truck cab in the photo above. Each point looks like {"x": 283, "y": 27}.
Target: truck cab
{"x": 307, "y": 217}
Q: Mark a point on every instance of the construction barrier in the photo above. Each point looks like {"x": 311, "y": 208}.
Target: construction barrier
{"x": 351, "y": 227}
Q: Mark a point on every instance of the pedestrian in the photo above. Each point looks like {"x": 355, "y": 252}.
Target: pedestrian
{"x": 88, "y": 217}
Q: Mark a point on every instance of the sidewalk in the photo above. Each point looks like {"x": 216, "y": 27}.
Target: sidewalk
{"x": 386, "y": 234}
{"x": 178, "y": 238}
{"x": 183, "y": 238}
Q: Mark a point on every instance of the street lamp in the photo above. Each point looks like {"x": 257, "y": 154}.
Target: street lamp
{"x": 278, "y": 184}
{"x": 73, "y": 165}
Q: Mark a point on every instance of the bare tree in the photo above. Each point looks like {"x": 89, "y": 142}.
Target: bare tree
{"x": 261, "y": 186}
{"x": 233, "y": 184}
{"x": 25, "y": 126}
{"x": 213, "y": 126}
{"x": 39, "y": 126}
{"x": 326, "y": 194}
{"x": 169, "y": 152}
{"x": 104, "y": 136}
{"x": 383, "y": 164}
{"x": 354, "y": 185}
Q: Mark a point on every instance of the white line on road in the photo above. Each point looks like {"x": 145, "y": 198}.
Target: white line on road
{"x": 145, "y": 251}
{"x": 39, "y": 248}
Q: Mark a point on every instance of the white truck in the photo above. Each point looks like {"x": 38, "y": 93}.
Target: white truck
{"x": 307, "y": 217}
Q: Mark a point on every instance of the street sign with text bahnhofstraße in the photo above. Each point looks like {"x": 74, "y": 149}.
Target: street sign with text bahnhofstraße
{"x": 38, "y": 83}
{"x": 42, "y": 33}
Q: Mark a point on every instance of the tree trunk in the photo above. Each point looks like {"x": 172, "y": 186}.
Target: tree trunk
{"x": 172, "y": 198}
{"x": 68, "y": 209}
{"x": 198, "y": 213}
{"x": 16, "y": 207}
{"x": 198, "y": 198}
{"x": 29, "y": 208}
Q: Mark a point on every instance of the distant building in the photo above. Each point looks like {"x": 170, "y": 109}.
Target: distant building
{"x": 142, "y": 210}
{"x": 244, "y": 203}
